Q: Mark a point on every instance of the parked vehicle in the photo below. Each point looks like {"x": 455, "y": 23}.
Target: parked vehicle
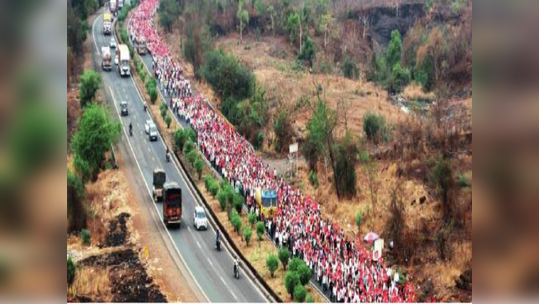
{"x": 172, "y": 204}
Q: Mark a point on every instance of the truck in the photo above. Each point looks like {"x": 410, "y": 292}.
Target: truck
{"x": 172, "y": 204}
{"x": 123, "y": 60}
{"x": 120, "y": 4}
{"x": 142, "y": 48}
{"x": 106, "y": 59}
{"x": 159, "y": 179}
{"x": 107, "y": 23}
{"x": 266, "y": 200}
{"x": 113, "y": 6}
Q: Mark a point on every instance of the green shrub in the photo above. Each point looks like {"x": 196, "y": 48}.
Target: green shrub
{"x": 291, "y": 280}
{"x": 284, "y": 255}
{"x": 299, "y": 293}
{"x": 221, "y": 197}
{"x": 313, "y": 179}
{"x": 463, "y": 182}
{"x": 85, "y": 236}
{"x": 359, "y": 219}
{"x": 236, "y": 223}
{"x": 374, "y": 126}
{"x": 180, "y": 139}
{"x": 71, "y": 268}
{"x": 153, "y": 94}
{"x": 260, "y": 230}
{"x": 199, "y": 166}
{"x": 309, "y": 298}
{"x": 308, "y": 51}
{"x": 349, "y": 68}
{"x": 163, "y": 109}
{"x": 304, "y": 273}
{"x": 188, "y": 147}
{"x": 272, "y": 263}
{"x": 192, "y": 156}
{"x": 207, "y": 180}
{"x": 168, "y": 120}
{"x": 214, "y": 188}
{"x": 89, "y": 84}
{"x": 247, "y": 234}
{"x": 294, "y": 263}
{"x": 400, "y": 77}
{"x": 259, "y": 140}
{"x": 251, "y": 217}
{"x": 238, "y": 202}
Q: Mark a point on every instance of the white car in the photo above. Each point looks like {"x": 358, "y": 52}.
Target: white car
{"x": 199, "y": 218}
{"x": 151, "y": 130}
{"x": 116, "y": 60}
{"x": 112, "y": 43}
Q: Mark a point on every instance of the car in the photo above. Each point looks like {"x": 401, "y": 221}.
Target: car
{"x": 151, "y": 130}
{"x": 116, "y": 60}
{"x": 112, "y": 43}
{"x": 199, "y": 218}
{"x": 123, "y": 107}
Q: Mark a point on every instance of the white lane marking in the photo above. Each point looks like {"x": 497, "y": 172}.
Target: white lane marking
{"x": 93, "y": 34}
{"x": 198, "y": 244}
{"x": 155, "y": 205}
{"x": 209, "y": 261}
{"x": 153, "y": 159}
{"x": 189, "y": 228}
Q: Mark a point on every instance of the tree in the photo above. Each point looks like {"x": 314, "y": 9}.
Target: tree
{"x": 93, "y": 139}
{"x": 77, "y": 28}
{"x": 299, "y": 293}
{"x": 85, "y": 236}
{"x": 374, "y": 127}
{"x": 168, "y": 11}
{"x": 272, "y": 263}
{"x": 400, "y": 77}
{"x": 168, "y": 120}
{"x": 238, "y": 202}
{"x": 243, "y": 17}
{"x": 320, "y": 136}
{"x": 293, "y": 26}
{"x": 346, "y": 154}
{"x": 236, "y": 222}
{"x": 304, "y": 273}
{"x": 247, "y": 233}
{"x": 271, "y": 12}
{"x": 260, "y": 230}
{"x": 325, "y": 23}
{"x": 221, "y": 198}
{"x": 180, "y": 139}
{"x": 308, "y": 51}
{"x": 284, "y": 255}
{"x": 89, "y": 83}
{"x": 291, "y": 280}
{"x": 442, "y": 176}
{"x": 199, "y": 166}
{"x": 76, "y": 209}
{"x": 394, "y": 49}
{"x": 349, "y": 68}
{"x": 283, "y": 130}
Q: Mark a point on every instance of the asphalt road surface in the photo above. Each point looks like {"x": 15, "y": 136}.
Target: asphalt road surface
{"x": 211, "y": 270}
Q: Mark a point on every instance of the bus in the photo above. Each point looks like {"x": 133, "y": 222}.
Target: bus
{"x": 172, "y": 204}
{"x": 266, "y": 200}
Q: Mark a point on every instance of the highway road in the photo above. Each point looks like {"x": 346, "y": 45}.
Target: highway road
{"x": 211, "y": 270}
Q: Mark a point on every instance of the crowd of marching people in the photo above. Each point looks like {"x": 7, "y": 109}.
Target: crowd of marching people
{"x": 343, "y": 268}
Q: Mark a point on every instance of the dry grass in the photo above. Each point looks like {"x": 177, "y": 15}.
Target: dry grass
{"x": 93, "y": 281}
{"x": 415, "y": 92}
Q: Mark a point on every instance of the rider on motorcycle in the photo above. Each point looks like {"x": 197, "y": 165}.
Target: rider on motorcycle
{"x": 236, "y": 267}
{"x": 167, "y": 155}
{"x": 130, "y": 129}
{"x": 218, "y": 239}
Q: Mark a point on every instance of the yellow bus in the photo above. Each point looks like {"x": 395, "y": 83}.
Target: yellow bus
{"x": 266, "y": 200}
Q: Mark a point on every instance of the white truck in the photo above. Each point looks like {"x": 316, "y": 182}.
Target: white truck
{"x": 123, "y": 60}
{"x": 113, "y": 6}
{"x": 106, "y": 59}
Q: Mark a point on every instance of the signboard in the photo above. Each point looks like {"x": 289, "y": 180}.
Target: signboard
{"x": 294, "y": 148}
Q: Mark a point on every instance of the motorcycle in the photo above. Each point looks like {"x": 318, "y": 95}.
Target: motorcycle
{"x": 145, "y": 107}
{"x": 130, "y": 130}
{"x": 236, "y": 269}
{"x": 168, "y": 156}
{"x": 218, "y": 245}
